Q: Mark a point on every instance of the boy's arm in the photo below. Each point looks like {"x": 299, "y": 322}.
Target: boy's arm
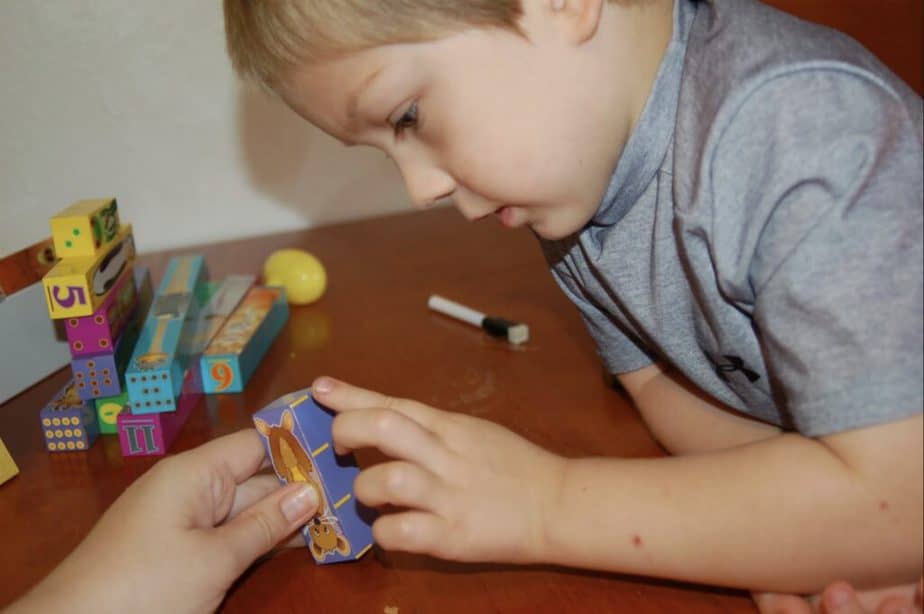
{"x": 786, "y": 514}
{"x": 683, "y": 419}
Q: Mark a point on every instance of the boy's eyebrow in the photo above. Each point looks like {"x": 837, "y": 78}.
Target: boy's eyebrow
{"x": 353, "y": 98}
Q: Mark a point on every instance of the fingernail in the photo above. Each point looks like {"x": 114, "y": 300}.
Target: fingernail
{"x": 323, "y": 385}
{"x": 839, "y": 597}
{"x": 299, "y": 504}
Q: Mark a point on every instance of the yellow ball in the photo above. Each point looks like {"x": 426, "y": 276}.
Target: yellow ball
{"x": 301, "y": 274}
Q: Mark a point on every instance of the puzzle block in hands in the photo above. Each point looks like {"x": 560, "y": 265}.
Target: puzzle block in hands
{"x": 296, "y": 433}
{"x": 155, "y": 372}
{"x": 8, "y": 468}
{"x": 76, "y": 287}
{"x": 241, "y": 343}
{"x": 152, "y": 434}
{"x": 68, "y": 423}
{"x": 97, "y": 333}
{"x": 85, "y": 227}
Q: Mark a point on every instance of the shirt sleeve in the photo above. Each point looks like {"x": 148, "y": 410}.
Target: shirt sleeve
{"x": 818, "y": 190}
{"x": 620, "y": 350}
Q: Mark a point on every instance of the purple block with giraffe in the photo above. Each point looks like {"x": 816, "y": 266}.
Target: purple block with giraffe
{"x": 296, "y": 433}
{"x": 69, "y": 423}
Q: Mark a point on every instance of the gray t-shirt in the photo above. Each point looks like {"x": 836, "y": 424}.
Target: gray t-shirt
{"x": 762, "y": 232}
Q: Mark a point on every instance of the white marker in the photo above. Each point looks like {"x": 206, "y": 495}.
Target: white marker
{"x": 498, "y": 327}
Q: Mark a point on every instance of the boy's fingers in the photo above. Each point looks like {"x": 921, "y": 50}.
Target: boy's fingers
{"x": 391, "y": 432}
{"x": 343, "y": 397}
{"x": 259, "y": 528}
{"x": 775, "y": 603}
{"x": 399, "y": 483}
{"x": 413, "y": 531}
{"x": 840, "y": 598}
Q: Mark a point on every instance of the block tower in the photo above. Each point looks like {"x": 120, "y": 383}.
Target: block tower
{"x": 162, "y": 388}
{"x": 101, "y": 297}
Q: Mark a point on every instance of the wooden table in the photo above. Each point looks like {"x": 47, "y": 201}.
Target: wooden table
{"x": 372, "y": 328}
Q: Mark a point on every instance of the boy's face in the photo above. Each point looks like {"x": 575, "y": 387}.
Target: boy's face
{"x": 518, "y": 127}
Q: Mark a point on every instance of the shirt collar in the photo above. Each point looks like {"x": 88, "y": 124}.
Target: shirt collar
{"x": 648, "y": 144}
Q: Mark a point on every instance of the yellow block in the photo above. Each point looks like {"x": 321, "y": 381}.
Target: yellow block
{"x": 85, "y": 227}
{"x": 7, "y": 467}
{"x": 75, "y": 287}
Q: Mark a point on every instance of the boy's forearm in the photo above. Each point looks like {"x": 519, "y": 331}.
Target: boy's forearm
{"x": 787, "y": 514}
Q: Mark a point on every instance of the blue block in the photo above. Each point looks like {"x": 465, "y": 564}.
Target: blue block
{"x": 296, "y": 433}
{"x": 69, "y": 423}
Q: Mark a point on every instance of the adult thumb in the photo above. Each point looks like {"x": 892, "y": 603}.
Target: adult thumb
{"x": 259, "y": 528}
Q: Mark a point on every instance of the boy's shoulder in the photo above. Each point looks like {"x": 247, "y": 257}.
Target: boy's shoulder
{"x": 736, "y": 46}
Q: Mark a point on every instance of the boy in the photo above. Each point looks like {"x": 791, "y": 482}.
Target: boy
{"x": 731, "y": 197}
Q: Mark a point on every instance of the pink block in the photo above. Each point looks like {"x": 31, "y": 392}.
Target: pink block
{"x": 96, "y": 333}
{"x": 153, "y": 434}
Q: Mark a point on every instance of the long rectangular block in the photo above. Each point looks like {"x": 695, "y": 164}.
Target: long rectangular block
{"x": 8, "y": 468}
{"x": 76, "y": 287}
{"x": 108, "y": 410}
{"x": 296, "y": 433}
{"x": 224, "y": 297}
{"x": 85, "y": 227}
{"x": 153, "y": 434}
{"x": 154, "y": 376}
{"x": 100, "y": 375}
{"x": 26, "y": 267}
{"x": 68, "y": 423}
{"x": 237, "y": 349}
{"x": 97, "y": 333}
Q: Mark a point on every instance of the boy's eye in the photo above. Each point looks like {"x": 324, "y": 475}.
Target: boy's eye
{"x": 408, "y": 119}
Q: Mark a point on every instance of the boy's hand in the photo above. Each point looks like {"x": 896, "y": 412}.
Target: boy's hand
{"x": 179, "y": 536}
{"x": 469, "y": 489}
{"x": 841, "y": 598}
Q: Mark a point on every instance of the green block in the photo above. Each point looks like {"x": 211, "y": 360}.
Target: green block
{"x": 107, "y": 411}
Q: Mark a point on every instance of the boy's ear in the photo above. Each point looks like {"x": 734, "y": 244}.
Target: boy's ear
{"x": 582, "y": 17}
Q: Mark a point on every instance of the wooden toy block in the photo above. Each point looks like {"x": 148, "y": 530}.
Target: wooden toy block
{"x": 296, "y": 433}
{"x": 68, "y": 423}
{"x": 224, "y": 297}
{"x": 100, "y": 375}
{"x": 97, "y": 333}
{"x": 26, "y": 267}
{"x": 8, "y": 468}
{"x": 152, "y": 434}
{"x": 155, "y": 372}
{"x": 237, "y": 349}
{"x": 85, "y": 227}
{"x": 76, "y": 287}
{"x": 107, "y": 412}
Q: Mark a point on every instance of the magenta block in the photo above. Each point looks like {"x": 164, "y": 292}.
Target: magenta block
{"x": 96, "y": 333}
{"x": 153, "y": 434}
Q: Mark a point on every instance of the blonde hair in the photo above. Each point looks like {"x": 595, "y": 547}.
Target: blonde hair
{"x": 267, "y": 38}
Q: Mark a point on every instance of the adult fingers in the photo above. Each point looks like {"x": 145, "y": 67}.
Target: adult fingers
{"x": 259, "y": 528}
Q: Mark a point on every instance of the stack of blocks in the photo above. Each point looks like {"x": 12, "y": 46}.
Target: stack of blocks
{"x": 162, "y": 389}
{"x": 100, "y": 296}
{"x": 296, "y": 433}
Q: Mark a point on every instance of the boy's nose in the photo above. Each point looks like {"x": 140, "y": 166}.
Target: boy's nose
{"x": 427, "y": 185}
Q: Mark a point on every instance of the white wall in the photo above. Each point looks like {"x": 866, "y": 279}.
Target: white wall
{"x": 136, "y": 99}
